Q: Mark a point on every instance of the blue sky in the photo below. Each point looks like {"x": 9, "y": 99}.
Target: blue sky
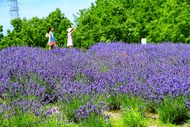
{"x": 41, "y": 8}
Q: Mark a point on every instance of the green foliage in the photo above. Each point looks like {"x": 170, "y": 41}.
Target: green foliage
{"x": 173, "y": 110}
{"x": 114, "y": 102}
{"x": 60, "y": 23}
{"x": 136, "y": 103}
{"x": 32, "y": 32}
{"x": 133, "y": 112}
{"x": 129, "y": 21}
{"x": 95, "y": 120}
{"x": 133, "y": 118}
{"x": 70, "y": 106}
{"x": 30, "y": 120}
{"x": 82, "y": 78}
{"x": 172, "y": 24}
{"x": 116, "y": 122}
{"x": 25, "y": 120}
{"x": 108, "y": 21}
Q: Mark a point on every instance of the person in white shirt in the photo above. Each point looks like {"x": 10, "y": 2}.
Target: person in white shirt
{"x": 70, "y": 39}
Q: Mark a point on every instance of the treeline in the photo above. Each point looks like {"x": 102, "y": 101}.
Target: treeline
{"x": 32, "y": 32}
{"x": 107, "y": 21}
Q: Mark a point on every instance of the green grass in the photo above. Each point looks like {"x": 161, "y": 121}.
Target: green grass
{"x": 133, "y": 112}
{"x": 173, "y": 110}
{"x": 129, "y": 118}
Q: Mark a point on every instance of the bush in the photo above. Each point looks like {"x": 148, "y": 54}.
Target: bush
{"x": 173, "y": 110}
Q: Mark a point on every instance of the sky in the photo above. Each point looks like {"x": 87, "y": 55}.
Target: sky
{"x": 41, "y": 8}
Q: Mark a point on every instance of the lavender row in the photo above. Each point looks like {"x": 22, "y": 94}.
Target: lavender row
{"x": 38, "y": 77}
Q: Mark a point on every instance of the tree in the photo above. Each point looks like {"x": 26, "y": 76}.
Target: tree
{"x": 129, "y": 21}
{"x": 32, "y": 32}
{"x": 172, "y": 25}
{"x": 60, "y": 23}
{"x": 107, "y": 21}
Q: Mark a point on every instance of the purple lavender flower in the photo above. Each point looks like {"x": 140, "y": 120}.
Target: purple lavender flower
{"x": 152, "y": 72}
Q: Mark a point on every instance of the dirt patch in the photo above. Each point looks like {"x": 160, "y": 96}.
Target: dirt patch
{"x": 113, "y": 114}
{"x": 152, "y": 116}
{"x": 186, "y": 125}
{"x": 153, "y": 126}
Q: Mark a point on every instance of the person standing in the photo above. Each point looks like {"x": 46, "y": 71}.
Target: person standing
{"x": 70, "y": 39}
{"x": 51, "y": 41}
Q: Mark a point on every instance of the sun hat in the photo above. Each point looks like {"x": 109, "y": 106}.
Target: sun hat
{"x": 69, "y": 29}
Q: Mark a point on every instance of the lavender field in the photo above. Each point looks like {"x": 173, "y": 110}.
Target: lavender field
{"x": 72, "y": 85}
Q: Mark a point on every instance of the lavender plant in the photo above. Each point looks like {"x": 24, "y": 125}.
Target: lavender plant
{"x": 173, "y": 111}
{"x": 33, "y": 78}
